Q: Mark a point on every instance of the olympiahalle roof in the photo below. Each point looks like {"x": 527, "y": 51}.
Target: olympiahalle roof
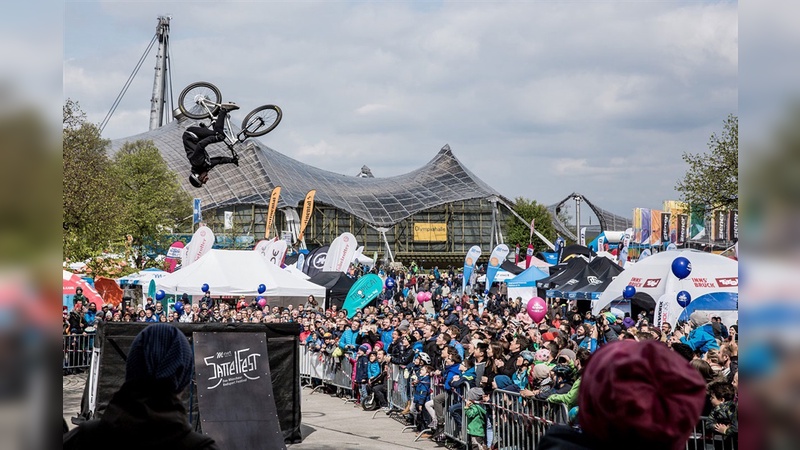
{"x": 381, "y": 202}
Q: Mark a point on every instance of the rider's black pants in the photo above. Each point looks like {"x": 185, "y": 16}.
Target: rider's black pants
{"x": 195, "y": 141}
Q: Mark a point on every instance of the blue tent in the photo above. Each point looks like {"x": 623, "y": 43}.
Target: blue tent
{"x": 715, "y": 301}
{"x": 527, "y": 278}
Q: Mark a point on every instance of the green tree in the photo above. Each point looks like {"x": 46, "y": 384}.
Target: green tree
{"x": 153, "y": 200}
{"x": 712, "y": 180}
{"x": 518, "y": 232}
{"x": 91, "y": 203}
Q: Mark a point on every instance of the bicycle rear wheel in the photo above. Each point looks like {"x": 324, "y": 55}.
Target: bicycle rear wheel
{"x": 261, "y": 120}
{"x": 189, "y": 100}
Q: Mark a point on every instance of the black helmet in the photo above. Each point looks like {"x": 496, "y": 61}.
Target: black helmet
{"x": 195, "y": 180}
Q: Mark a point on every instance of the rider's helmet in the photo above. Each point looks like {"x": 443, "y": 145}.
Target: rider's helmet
{"x": 195, "y": 181}
{"x": 424, "y": 357}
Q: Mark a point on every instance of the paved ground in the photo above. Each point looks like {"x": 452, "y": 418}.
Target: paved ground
{"x": 328, "y": 422}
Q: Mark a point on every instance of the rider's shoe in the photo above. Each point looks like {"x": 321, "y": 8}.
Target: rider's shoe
{"x": 236, "y": 160}
{"x": 229, "y": 106}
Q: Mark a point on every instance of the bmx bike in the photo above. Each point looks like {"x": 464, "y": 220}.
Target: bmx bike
{"x": 202, "y": 100}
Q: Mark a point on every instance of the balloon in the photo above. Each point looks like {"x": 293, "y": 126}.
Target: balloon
{"x": 262, "y": 288}
{"x": 684, "y": 298}
{"x": 205, "y": 287}
{"x": 681, "y": 267}
{"x": 179, "y": 307}
{"x": 537, "y": 309}
{"x": 262, "y": 302}
{"x": 628, "y": 292}
{"x": 420, "y": 300}
{"x": 160, "y": 294}
{"x": 389, "y": 283}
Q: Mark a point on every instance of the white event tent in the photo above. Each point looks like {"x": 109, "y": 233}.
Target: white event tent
{"x": 239, "y": 272}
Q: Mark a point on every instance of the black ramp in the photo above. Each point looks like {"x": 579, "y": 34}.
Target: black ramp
{"x": 234, "y": 391}
{"x": 115, "y": 338}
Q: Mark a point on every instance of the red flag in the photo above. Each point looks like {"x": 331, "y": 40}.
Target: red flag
{"x": 516, "y": 255}
{"x": 528, "y": 256}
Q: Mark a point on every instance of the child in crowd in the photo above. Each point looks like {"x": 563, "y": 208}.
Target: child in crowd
{"x": 422, "y": 393}
{"x": 724, "y": 415}
{"x": 524, "y": 362}
{"x": 476, "y": 418}
{"x": 362, "y": 370}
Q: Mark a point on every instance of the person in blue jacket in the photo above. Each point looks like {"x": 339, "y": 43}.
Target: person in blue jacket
{"x": 422, "y": 393}
{"x": 348, "y": 341}
{"x": 436, "y": 405}
{"x": 701, "y": 337}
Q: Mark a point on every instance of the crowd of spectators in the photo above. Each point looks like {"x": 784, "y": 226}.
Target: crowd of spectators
{"x": 475, "y": 343}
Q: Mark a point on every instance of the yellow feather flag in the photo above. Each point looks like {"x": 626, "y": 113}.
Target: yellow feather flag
{"x": 273, "y": 205}
{"x": 308, "y": 209}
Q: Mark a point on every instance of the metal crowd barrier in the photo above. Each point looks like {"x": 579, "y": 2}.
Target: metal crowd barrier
{"x": 397, "y": 388}
{"x": 329, "y": 371}
{"x": 519, "y": 422}
{"x": 456, "y": 397}
{"x": 702, "y": 439}
{"x": 77, "y": 351}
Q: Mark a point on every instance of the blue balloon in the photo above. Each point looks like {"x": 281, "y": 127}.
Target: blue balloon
{"x": 389, "y": 283}
{"x": 179, "y": 307}
{"x": 205, "y": 287}
{"x": 262, "y": 288}
{"x": 628, "y": 292}
{"x": 684, "y": 298}
{"x": 681, "y": 267}
{"x": 160, "y": 294}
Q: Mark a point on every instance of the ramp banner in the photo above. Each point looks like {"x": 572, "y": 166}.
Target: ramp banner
{"x": 496, "y": 258}
{"x": 234, "y": 388}
{"x": 308, "y": 209}
{"x": 273, "y": 205}
{"x": 470, "y": 260}
{"x": 341, "y": 253}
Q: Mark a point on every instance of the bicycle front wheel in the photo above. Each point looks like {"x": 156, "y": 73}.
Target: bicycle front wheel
{"x": 261, "y": 120}
{"x": 194, "y": 95}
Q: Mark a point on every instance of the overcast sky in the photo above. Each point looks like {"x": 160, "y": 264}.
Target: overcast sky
{"x": 537, "y": 99}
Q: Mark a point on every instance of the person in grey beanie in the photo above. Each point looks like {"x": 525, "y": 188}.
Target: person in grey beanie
{"x": 147, "y": 412}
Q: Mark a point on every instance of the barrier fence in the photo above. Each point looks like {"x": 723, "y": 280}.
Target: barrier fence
{"x": 512, "y": 421}
{"x": 77, "y": 351}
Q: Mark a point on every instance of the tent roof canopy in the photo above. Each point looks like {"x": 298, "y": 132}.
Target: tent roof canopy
{"x": 381, "y": 202}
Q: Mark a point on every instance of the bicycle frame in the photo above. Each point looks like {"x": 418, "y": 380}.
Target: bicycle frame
{"x": 230, "y": 138}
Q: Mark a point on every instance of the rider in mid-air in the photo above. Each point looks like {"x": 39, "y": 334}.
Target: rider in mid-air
{"x": 197, "y": 138}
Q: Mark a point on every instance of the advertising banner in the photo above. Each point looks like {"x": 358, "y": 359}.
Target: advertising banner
{"x": 665, "y": 219}
{"x": 341, "y": 253}
{"x": 469, "y": 264}
{"x": 683, "y": 228}
{"x": 655, "y": 227}
{"x": 308, "y": 209}
{"x": 273, "y": 205}
{"x": 234, "y": 387}
{"x": 720, "y": 226}
{"x": 497, "y": 257}
{"x": 645, "y": 221}
{"x": 228, "y": 220}
{"x": 733, "y": 225}
{"x": 197, "y": 215}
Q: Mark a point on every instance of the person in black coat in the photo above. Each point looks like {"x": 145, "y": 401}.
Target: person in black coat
{"x": 147, "y": 412}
